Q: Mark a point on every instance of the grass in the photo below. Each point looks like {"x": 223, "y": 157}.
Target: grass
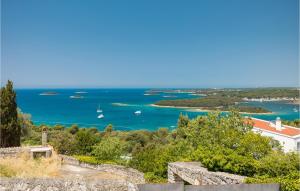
{"x": 25, "y": 167}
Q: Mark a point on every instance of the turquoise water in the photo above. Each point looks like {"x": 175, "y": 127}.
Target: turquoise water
{"x": 61, "y": 109}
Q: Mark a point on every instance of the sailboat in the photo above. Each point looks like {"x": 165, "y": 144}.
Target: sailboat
{"x": 100, "y": 116}
{"x": 99, "y": 110}
{"x": 139, "y": 112}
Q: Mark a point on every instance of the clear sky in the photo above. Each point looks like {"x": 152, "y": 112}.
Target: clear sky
{"x": 150, "y": 43}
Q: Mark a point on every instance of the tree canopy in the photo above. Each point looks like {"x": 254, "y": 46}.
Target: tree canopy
{"x": 10, "y": 130}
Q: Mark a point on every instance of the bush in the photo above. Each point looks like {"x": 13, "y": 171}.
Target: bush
{"x": 152, "y": 178}
{"x": 110, "y": 148}
{"x": 278, "y": 164}
{"x": 155, "y": 158}
{"x": 87, "y": 159}
{"x": 94, "y": 160}
{"x": 224, "y": 159}
{"x": 85, "y": 141}
{"x": 63, "y": 142}
{"x": 290, "y": 182}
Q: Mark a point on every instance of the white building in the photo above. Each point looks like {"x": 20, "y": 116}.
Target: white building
{"x": 289, "y": 137}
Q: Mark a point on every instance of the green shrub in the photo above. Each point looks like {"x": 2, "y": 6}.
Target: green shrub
{"x": 110, "y": 148}
{"x": 290, "y": 182}
{"x": 152, "y": 178}
{"x": 94, "y": 160}
{"x": 87, "y": 159}
{"x": 278, "y": 164}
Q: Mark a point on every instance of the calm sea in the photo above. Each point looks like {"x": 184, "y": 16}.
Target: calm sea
{"x": 118, "y": 107}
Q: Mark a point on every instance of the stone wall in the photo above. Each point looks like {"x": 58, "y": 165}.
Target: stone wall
{"x": 16, "y": 151}
{"x": 231, "y": 187}
{"x": 48, "y": 184}
{"x": 11, "y": 151}
{"x": 131, "y": 174}
{"x": 195, "y": 174}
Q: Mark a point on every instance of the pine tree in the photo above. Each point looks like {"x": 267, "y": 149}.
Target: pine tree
{"x": 10, "y": 130}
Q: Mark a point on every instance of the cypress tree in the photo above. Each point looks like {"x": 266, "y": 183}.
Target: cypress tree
{"x": 10, "y": 130}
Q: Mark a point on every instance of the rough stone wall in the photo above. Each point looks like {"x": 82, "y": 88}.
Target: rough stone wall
{"x": 228, "y": 187}
{"x": 131, "y": 174}
{"x": 11, "y": 151}
{"x": 48, "y": 184}
{"x": 195, "y": 174}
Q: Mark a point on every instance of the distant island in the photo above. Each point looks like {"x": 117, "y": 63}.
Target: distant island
{"x": 226, "y": 99}
{"x": 76, "y": 97}
{"x": 81, "y": 92}
{"x": 48, "y": 93}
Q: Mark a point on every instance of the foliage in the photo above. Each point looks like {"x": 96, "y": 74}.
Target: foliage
{"x": 109, "y": 148}
{"x": 227, "y": 160}
{"x": 108, "y": 129}
{"x": 87, "y": 159}
{"x": 94, "y": 160}
{"x": 220, "y": 142}
{"x": 152, "y": 178}
{"x": 73, "y": 129}
{"x": 289, "y": 182}
{"x": 213, "y": 103}
{"x": 63, "y": 142}
{"x": 226, "y": 99}
{"x": 294, "y": 123}
{"x": 85, "y": 140}
{"x": 279, "y": 164}
{"x": 10, "y": 130}
{"x": 238, "y": 92}
{"x": 155, "y": 158}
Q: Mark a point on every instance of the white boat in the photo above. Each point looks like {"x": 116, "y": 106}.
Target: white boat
{"x": 139, "y": 112}
{"x": 295, "y": 110}
{"x": 100, "y": 116}
{"x": 99, "y": 110}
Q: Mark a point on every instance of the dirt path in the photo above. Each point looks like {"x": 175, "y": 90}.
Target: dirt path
{"x": 70, "y": 171}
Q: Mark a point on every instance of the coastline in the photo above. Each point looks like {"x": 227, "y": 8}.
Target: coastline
{"x": 199, "y": 109}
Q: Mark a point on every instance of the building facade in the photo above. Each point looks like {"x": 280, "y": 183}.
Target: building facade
{"x": 287, "y": 136}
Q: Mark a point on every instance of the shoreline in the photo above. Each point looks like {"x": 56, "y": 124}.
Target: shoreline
{"x": 199, "y": 109}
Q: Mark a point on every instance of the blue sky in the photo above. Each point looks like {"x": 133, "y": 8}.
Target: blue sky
{"x": 150, "y": 43}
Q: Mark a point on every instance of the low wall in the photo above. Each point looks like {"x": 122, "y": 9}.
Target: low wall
{"x": 195, "y": 174}
{"x": 48, "y": 184}
{"x": 232, "y": 187}
{"x": 11, "y": 151}
{"x": 130, "y": 174}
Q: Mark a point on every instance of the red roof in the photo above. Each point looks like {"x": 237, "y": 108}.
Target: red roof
{"x": 266, "y": 125}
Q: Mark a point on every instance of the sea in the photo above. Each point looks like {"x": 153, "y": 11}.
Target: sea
{"x": 118, "y": 107}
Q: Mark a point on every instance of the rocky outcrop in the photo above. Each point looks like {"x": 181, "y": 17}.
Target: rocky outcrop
{"x": 195, "y": 174}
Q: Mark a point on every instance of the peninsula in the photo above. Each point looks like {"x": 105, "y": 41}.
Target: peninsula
{"x": 226, "y": 99}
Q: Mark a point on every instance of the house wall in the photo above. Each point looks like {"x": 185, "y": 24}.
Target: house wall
{"x": 288, "y": 143}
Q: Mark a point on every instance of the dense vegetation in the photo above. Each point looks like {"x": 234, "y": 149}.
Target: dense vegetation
{"x": 226, "y": 99}
{"x": 214, "y": 102}
{"x": 10, "y": 129}
{"x": 221, "y": 143}
{"x": 239, "y": 93}
{"x": 294, "y": 123}
{"x": 257, "y": 93}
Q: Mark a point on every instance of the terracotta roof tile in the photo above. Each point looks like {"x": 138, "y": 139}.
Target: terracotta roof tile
{"x": 266, "y": 125}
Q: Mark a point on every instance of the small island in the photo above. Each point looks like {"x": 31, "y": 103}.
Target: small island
{"x": 76, "y": 97}
{"x": 48, "y": 93}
